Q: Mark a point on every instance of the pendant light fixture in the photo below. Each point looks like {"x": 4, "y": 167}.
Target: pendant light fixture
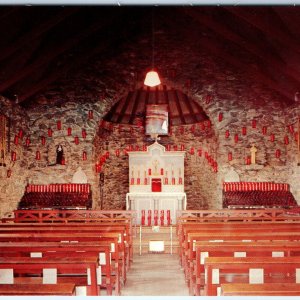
{"x": 152, "y": 78}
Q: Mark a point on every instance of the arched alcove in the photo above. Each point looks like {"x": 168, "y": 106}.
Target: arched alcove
{"x": 122, "y": 130}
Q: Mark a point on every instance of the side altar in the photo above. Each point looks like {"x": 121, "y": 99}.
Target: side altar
{"x": 156, "y": 181}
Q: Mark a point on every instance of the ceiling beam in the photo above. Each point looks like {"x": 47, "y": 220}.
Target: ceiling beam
{"x": 273, "y": 30}
{"x": 53, "y": 53}
{"x": 212, "y": 46}
{"x": 36, "y": 32}
{"x": 178, "y": 106}
{"x": 67, "y": 67}
{"x": 292, "y": 74}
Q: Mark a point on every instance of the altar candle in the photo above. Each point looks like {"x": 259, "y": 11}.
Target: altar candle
{"x": 272, "y": 137}
{"x": 161, "y": 171}
{"x": 69, "y": 131}
{"x": 50, "y": 132}
{"x": 168, "y": 217}
{"x": 220, "y": 117}
{"x": 264, "y": 130}
{"x": 244, "y": 130}
{"x": 20, "y": 133}
{"x": 138, "y": 181}
{"x": 13, "y": 156}
{"x": 43, "y": 140}
{"x": 230, "y": 156}
{"x": 16, "y": 140}
{"x": 145, "y": 181}
{"x": 166, "y": 181}
{"x": 27, "y": 141}
{"x": 173, "y": 180}
{"x": 155, "y": 217}
{"x": 236, "y": 137}
{"x": 162, "y": 217}
{"x": 149, "y": 171}
{"x": 76, "y": 140}
{"x": 227, "y": 134}
{"x": 58, "y": 124}
{"x": 132, "y": 181}
{"x": 149, "y": 217}
{"x": 84, "y": 155}
{"x": 143, "y": 217}
{"x": 180, "y": 180}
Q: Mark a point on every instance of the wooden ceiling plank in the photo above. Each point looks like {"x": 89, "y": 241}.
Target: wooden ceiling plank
{"x": 179, "y": 107}
{"x": 219, "y": 51}
{"x": 274, "y": 31}
{"x": 129, "y": 95}
{"x": 229, "y": 35}
{"x": 80, "y": 60}
{"x": 36, "y": 32}
{"x": 135, "y": 105}
{"x": 51, "y": 54}
{"x": 167, "y": 101}
{"x": 187, "y": 102}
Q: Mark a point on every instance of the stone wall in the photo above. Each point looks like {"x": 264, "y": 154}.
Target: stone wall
{"x": 12, "y": 188}
{"x": 200, "y": 179}
{"x": 218, "y": 87}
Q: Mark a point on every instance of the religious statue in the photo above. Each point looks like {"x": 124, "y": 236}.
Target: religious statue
{"x": 59, "y": 155}
{"x": 155, "y": 164}
{"x": 253, "y": 151}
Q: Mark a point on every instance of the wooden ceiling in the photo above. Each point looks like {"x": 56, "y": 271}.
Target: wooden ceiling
{"x": 41, "y": 46}
{"x": 132, "y": 108}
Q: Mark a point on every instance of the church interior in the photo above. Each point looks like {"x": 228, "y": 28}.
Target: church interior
{"x": 117, "y": 184}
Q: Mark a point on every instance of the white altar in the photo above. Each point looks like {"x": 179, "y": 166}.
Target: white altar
{"x": 156, "y": 181}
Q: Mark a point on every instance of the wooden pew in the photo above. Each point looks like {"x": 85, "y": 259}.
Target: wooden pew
{"x": 61, "y": 289}
{"x": 117, "y": 246}
{"x": 285, "y": 266}
{"x": 232, "y": 249}
{"x": 57, "y": 249}
{"x": 109, "y": 226}
{"x": 65, "y": 265}
{"x": 125, "y": 243}
{"x": 189, "y": 247}
{"x": 266, "y": 289}
{"x": 221, "y": 227}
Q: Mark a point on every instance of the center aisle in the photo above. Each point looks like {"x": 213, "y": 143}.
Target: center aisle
{"x": 155, "y": 275}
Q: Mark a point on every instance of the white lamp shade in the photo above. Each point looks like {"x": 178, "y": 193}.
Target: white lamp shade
{"x": 152, "y": 79}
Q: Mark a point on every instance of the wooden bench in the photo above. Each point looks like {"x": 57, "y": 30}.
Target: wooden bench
{"x": 232, "y": 249}
{"x": 189, "y": 253}
{"x": 216, "y": 267}
{"x": 117, "y": 249}
{"x": 225, "y": 227}
{"x": 265, "y": 289}
{"x": 65, "y": 265}
{"x": 109, "y": 226}
{"x": 61, "y": 289}
{"x": 71, "y": 230}
{"x": 56, "y": 249}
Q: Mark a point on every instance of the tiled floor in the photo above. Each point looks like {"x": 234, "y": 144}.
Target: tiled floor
{"x": 155, "y": 275}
